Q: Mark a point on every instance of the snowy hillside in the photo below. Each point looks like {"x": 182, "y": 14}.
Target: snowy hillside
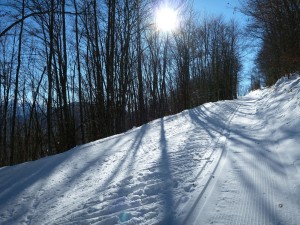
{"x": 229, "y": 162}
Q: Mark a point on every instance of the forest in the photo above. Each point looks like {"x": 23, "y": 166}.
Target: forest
{"x": 75, "y": 71}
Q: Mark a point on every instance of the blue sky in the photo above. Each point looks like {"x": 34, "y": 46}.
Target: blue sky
{"x": 229, "y": 9}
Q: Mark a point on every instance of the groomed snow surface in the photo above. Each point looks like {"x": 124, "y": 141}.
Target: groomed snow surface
{"x": 229, "y": 162}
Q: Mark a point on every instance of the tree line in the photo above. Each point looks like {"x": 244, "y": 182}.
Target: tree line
{"x": 276, "y": 24}
{"x": 75, "y": 71}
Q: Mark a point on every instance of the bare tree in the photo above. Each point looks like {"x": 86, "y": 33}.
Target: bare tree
{"x": 16, "y": 92}
{"x": 275, "y": 22}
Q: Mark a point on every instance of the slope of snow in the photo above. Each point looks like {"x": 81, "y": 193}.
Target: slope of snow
{"x": 229, "y": 162}
{"x": 259, "y": 180}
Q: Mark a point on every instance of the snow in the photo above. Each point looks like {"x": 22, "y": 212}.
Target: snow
{"x": 229, "y": 162}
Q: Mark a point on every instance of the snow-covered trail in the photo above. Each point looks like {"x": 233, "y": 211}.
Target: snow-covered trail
{"x": 229, "y": 162}
{"x": 258, "y": 180}
{"x": 149, "y": 175}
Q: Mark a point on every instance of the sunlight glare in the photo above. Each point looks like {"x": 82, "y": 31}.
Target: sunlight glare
{"x": 166, "y": 19}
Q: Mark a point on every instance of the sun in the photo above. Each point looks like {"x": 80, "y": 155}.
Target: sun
{"x": 166, "y": 19}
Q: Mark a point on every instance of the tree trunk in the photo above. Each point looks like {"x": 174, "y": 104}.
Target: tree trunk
{"x": 12, "y": 152}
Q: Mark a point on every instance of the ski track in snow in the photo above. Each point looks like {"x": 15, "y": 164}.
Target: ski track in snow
{"x": 145, "y": 176}
{"x": 229, "y": 162}
{"x": 256, "y": 184}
